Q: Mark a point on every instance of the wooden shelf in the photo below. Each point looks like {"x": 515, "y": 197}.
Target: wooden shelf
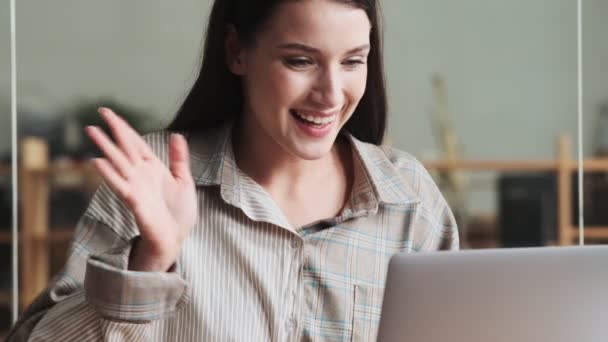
{"x": 593, "y": 165}
{"x": 514, "y": 165}
{"x": 77, "y": 167}
{"x": 595, "y": 233}
{"x": 56, "y": 167}
{"x": 492, "y": 165}
{"x": 60, "y": 234}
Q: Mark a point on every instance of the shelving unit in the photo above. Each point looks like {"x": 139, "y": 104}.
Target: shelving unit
{"x": 37, "y": 176}
{"x": 563, "y": 165}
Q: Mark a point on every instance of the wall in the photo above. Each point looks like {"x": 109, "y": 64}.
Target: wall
{"x": 510, "y": 66}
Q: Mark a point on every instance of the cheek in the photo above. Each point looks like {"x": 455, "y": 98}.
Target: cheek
{"x": 356, "y": 87}
{"x": 275, "y": 87}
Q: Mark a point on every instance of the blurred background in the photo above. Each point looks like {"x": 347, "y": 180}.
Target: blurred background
{"x": 483, "y": 92}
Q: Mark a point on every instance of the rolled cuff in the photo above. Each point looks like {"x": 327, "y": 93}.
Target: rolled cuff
{"x": 122, "y": 295}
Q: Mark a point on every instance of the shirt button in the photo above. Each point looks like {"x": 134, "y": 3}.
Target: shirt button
{"x": 291, "y": 323}
{"x": 295, "y": 243}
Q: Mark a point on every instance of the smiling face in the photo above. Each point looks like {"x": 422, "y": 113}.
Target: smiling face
{"x": 304, "y": 76}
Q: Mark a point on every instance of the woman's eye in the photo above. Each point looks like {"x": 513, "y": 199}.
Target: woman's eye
{"x": 354, "y": 62}
{"x": 298, "y": 62}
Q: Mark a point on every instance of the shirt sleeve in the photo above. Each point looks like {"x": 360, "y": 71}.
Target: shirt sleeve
{"x": 130, "y": 296}
{"x": 440, "y": 230}
{"x": 446, "y": 231}
{"x": 95, "y": 297}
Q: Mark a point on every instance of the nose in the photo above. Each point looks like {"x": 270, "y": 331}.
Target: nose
{"x": 327, "y": 91}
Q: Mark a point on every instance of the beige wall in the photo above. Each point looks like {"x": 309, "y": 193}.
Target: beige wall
{"x": 510, "y": 66}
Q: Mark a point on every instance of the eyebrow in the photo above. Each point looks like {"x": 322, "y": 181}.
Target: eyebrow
{"x": 310, "y": 49}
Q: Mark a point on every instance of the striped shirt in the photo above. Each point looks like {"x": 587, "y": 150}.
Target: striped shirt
{"x": 244, "y": 274}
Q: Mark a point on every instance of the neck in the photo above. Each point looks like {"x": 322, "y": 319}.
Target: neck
{"x": 281, "y": 173}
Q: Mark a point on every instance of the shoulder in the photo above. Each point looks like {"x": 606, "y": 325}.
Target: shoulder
{"x": 400, "y": 159}
{"x": 405, "y": 162}
{"x": 416, "y": 179}
{"x": 442, "y": 233}
{"x": 414, "y": 174}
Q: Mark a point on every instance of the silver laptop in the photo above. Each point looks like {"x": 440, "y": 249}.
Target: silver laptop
{"x": 557, "y": 294}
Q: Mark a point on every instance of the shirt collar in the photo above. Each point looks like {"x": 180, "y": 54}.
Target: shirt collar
{"x": 376, "y": 179}
{"x": 212, "y": 162}
{"x": 384, "y": 176}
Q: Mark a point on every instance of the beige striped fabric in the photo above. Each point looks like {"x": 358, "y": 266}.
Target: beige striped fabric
{"x": 244, "y": 274}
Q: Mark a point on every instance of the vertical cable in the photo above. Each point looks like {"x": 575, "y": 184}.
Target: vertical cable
{"x": 14, "y": 165}
{"x": 579, "y": 40}
{"x": 14, "y": 161}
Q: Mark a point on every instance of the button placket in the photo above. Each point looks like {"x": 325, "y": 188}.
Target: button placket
{"x": 297, "y": 244}
{"x": 294, "y": 251}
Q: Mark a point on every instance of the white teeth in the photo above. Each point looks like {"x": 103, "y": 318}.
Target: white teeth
{"x": 316, "y": 119}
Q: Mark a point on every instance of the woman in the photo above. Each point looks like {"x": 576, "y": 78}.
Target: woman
{"x": 274, "y": 215}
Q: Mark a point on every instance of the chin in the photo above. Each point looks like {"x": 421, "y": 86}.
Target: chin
{"x": 312, "y": 155}
{"x": 312, "y": 151}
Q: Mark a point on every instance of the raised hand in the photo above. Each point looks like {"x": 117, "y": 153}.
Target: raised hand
{"x": 162, "y": 199}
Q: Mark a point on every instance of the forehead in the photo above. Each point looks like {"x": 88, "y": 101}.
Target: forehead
{"x": 322, "y": 24}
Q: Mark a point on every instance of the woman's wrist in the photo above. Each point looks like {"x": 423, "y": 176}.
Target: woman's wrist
{"x": 144, "y": 258}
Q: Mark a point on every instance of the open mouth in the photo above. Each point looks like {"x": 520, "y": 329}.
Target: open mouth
{"x": 314, "y": 121}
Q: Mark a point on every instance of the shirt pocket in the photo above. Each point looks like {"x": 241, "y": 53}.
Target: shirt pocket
{"x": 366, "y": 312}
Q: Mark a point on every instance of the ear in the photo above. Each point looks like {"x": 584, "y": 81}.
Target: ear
{"x": 234, "y": 52}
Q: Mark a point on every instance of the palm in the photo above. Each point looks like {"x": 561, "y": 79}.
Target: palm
{"x": 158, "y": 200}
{"x": 162, "y": 199}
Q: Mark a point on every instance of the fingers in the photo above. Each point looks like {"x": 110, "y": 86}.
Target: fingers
{"x": 179, "y": 160}
{"x": 110, "y": 150}
{"x": 134, "y": 147}
{"x": 131, "y": 149}
{"x": 112, "y": 177}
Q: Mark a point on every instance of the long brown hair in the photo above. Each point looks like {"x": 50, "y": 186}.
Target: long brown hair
{"x": 217, "y": 96}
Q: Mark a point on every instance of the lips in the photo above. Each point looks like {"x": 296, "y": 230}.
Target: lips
{"x": 313, "y": 118}
{"x": 315, "y": 124}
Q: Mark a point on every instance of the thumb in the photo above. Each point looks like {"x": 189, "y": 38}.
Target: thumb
{"x": 179, "y": 158}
